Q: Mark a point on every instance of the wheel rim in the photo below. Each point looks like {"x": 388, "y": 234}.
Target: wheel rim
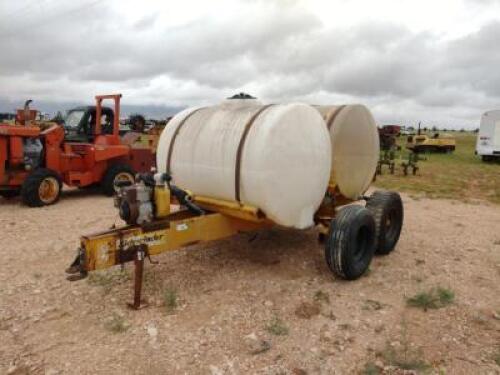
{"x": 122, "y": 176}
{"x": 48, "y": 190}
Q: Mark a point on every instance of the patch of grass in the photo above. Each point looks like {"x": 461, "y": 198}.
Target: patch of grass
{"x": 321, "y": 296}
{"x": 459, "y": 175}
{"x": 372, "y": 305}
{"x": 371, "y": 369}
{"x": 423, "y": 300}
{"x": 170, "y": 299}
{"x": 446, "y": 296}
{"x": 117, "y": 324}
{"x": 435, "y": 298}
{"x": 405, "y": 356}
{"x": 496, "y": 357}
{"x": 106, "y": 279}
{"x": 277, "y": 327}
{"x": 404, "y": 360}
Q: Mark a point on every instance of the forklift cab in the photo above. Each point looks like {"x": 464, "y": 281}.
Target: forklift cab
{"x": 94, "y": 124}
{"x": 80, "y": 123}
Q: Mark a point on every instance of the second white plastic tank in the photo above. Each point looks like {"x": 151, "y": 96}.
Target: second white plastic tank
{"x": 355, "y": 147}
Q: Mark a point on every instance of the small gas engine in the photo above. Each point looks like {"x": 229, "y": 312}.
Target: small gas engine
{"x": 149, "y": 198}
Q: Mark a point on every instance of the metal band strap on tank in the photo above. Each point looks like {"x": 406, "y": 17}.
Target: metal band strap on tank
{"x": 239, "y": 152}
{"x": 330, "y": 121}
{"x": 174, "y": 137}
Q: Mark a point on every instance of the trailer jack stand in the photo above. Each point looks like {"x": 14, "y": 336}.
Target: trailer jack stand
{"x": 139, "y": 256}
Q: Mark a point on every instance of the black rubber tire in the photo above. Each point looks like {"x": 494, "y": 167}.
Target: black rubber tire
{"x": 387, "y": 210}
{"x": 31, "y": 187}
{"x": 350, "y": 244}
{"x": 107, "y": 183}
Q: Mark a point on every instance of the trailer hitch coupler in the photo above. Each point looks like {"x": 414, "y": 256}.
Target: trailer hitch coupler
{"x": 76, "y": 270}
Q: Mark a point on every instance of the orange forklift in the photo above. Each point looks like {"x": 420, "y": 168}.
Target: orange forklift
{"x": 37, "y": 157}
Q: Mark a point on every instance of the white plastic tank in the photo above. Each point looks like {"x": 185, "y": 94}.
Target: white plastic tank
{"x": 281, "y": 154}
{"x": 355, "y": 147}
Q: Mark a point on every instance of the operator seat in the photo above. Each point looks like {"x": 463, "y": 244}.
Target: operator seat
{"x": 107, "y": 126}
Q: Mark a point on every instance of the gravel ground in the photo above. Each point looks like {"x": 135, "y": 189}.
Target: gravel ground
{"x": 267, "y": 305}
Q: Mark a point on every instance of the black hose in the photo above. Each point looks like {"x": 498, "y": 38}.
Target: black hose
{"x": 184, "y": 199}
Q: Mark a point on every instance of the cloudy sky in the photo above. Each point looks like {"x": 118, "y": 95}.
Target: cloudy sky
{"x": 435, "y": 61}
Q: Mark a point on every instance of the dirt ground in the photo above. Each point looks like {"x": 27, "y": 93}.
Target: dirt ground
{"x": 267, "y": 305}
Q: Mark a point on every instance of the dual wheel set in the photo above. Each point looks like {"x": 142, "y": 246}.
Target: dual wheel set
{"x": 357, "y": 233}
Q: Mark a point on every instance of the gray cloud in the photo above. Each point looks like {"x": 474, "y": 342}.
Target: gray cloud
{"x": 285, "y": 53}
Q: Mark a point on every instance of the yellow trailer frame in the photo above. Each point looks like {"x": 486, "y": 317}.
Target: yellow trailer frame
{"x": 135, "y": 243}
{"x": 180, "y": 229}
{"x": 177, "y": 228}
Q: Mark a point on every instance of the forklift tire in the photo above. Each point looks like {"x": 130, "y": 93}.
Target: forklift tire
{"x": 350, "y": 244}
{"x": 115, "y": 173}
{"x": 41, "y": 188}
{"x": 387, "y": 210}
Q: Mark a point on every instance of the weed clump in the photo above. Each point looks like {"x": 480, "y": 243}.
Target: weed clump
{"x": 107, "y": 279}
{"x": 170, "y": 299}
{"x": 496, "y": 357}
{"x": 277, "y": 327}
{"x": 404, "y": 359}
{"x": 435, "y": 298}
{"x": 321, "y": 296}
{"x": 117, "y": 324}
{"x": 405, "y": 356}
{"x": 371, "y": 369}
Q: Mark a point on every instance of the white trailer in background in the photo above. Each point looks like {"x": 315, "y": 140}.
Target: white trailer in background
{"x": 488, "y": 138}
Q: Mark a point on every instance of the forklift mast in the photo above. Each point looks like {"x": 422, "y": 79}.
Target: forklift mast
{"x": 116, "y": 118}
